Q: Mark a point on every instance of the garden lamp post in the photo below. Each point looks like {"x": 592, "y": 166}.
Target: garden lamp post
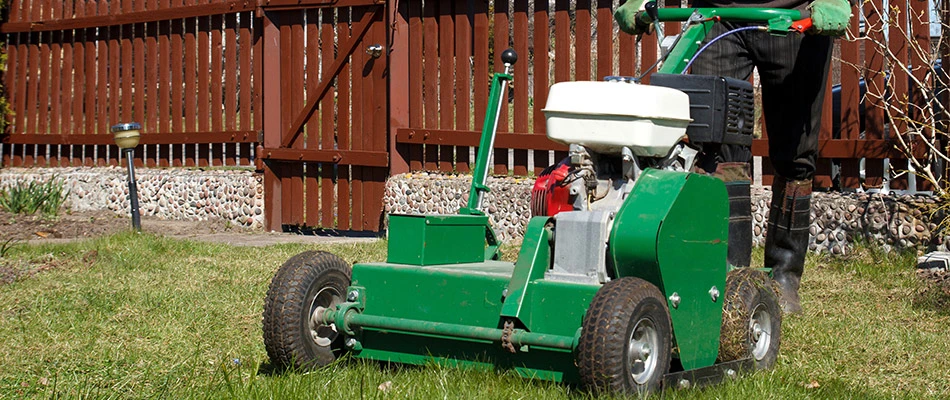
{"x": 126, "y": 136}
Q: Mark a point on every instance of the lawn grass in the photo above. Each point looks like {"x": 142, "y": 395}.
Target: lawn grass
{"x": 132, "y": 316}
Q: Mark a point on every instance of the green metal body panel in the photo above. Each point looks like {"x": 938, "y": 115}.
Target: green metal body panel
{"x": 672, "y": 232}
{"x": 533, "y": 260}
{"x": 436, "y": 239}
{"x": 452, "y": 314}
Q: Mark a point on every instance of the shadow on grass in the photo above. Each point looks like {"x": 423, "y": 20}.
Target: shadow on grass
{"x": 933, "y": 294}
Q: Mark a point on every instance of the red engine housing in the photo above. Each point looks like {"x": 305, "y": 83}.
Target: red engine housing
{"x": 549, "y": 195}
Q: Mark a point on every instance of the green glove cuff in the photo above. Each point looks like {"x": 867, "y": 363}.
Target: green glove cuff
{"x": 626, "y": 17}
{"x": 830, "y": 17}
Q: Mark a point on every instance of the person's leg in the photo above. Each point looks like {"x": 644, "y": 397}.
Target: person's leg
{"x": 793, "y": 71}
{"x": 729, "y": 57}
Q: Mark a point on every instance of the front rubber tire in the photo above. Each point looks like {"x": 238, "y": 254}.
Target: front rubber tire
{"x": 751, "y": 319}
{"x": 626, "y": 339}
{"x": 304, "y": 283}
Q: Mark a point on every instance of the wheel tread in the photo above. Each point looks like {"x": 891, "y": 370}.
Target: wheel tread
{"x": 285, "y": 342}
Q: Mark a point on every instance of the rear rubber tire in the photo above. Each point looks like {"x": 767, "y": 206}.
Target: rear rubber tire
{"x": 751, "y": 319}
{"x": 626, "y": 339}
{"x": 303, "y": 283}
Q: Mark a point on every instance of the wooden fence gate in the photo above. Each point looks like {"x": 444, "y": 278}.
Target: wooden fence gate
{"x": 324, "y": 145}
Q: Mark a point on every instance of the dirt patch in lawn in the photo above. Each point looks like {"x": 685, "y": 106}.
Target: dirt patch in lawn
{"x": 88, "y": 224}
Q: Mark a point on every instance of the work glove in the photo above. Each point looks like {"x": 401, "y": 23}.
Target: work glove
{"x": 830, "y": 17}
{"x": 626, "y": 16}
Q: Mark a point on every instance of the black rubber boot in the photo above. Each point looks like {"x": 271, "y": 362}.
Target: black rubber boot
{"x": 738, "y": 186}
{"x": 786, "y": 238}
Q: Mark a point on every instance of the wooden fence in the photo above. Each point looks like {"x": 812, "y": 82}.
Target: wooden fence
{"x": 454, "y": 45}
{"x": 187, "y": 70}
{"x": 209, "y": 87}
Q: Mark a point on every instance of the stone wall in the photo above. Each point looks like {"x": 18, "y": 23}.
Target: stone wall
{"x": 181, "y": 194}
{"x": 838, "y": 219}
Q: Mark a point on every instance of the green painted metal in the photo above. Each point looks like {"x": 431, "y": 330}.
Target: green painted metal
{"x": 739, "y": 14}
{"x": 533, "y": 260}
{"x": 701, "y": 21}
{"x": 557, "y": 307}
{"x": 538, "y": 363}
{"x": 469, "y": 294}
{"x": 436, "y": 239}
{"x": 354, "y": 320}
{"x": 480, "y": 175}
{"x": 685, "y": 48}
{"x": 452, "y": 314}
{"x": 487, "y": 144}
{"x": 673, "y": 230}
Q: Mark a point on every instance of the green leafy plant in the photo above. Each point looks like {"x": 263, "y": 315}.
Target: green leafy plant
{"x": 28, "y": 198}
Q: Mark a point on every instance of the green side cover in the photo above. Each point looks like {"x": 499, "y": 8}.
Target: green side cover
{"x": 672, "y": 232}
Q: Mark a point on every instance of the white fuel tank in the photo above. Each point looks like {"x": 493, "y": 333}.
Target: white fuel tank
{"x": 607, "y": 116}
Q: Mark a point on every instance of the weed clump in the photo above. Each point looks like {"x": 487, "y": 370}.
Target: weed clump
{"x": 32, "y": 197}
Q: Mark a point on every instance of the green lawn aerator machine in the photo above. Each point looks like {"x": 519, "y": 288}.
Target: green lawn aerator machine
{"x": 621, "y": 283}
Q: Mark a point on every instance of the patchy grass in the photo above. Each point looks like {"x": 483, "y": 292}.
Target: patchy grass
{"x": 142, "y": 316}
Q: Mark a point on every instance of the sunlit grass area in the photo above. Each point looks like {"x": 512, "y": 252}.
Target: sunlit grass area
{"x": 145, "y": 316}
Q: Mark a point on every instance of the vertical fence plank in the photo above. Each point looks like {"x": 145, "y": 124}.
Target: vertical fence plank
{"x": 43, "y": 99}
{"x": 563, "y": 58}
{"x": 850, "y": 103}
{"x": 205, "y": 75}
{"x": 463, "y": 80}
{"x": 314, "y": 171}
{"x": 367, "y": 131}
{"x": 248, "y": 41}
{"x": 415, "y": 73}
{"x": 176, "y": 80}
{"x": 114, "y": 84}
{"x": 325, "y": 35}
{"x": 920, "y": 33}
{"x": 79, "y": 82}
{"x": 56, "y": 93}
{"x": 191, "y": 154}
{"x": 380, "y": 130}
{"x": 164, "y": 85}
{"x": 151, "y": 66}
{"x": 430, "y": 83}
{"x": 66, "y": 94}
{"x": 55, "y": 10}
{"x": 32, "y": 92}
{"x": 344, "y": 140}
{"x": 874, "y": 79}
{"x": 605, "y": 39}
{"x": 521, "y": 88}
{"x": 231, "y": 74}
{"x": 267, "y": 54}
{"x": 541, "y": 48}
{"x": 110, "y": 84}
{"x": 16, "y": 79}
{"x": 216, "y": 111}
{"x": 447, "y": 83}
{"x": 897, "y": 45}
{"x": 357, "y": 111}
{"x": 582, "y": 34}
{"x": 501, "y": 43}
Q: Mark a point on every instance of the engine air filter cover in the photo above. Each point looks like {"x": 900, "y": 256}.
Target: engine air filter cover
{"x": 607, "y": 116}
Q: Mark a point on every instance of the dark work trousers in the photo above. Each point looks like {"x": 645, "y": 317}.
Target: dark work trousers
{"x": 793, "y": 69}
